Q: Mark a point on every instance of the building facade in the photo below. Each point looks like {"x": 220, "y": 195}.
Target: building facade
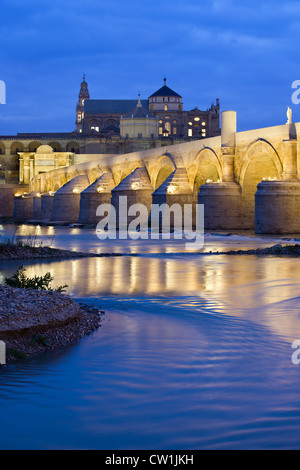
{"x": 113, "y": 127}
{"x": 103, "y": 117}
{"x": 139, "y": 123}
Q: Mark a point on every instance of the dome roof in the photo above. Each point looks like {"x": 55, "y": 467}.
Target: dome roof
{"x": 165, "y": 91}
{"x": 44, "y": 149}
{"x": 139, "y": 112}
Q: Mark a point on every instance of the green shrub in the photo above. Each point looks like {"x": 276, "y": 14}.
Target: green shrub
{"x": 20, "y": 280}
{"x": 17, "y": 354}
{"x": 41, "y": 339}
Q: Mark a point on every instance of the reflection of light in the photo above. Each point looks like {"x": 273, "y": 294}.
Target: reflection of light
{"x": 119, "y": 277}
{"x": 133, "y": 274}
{"x": 100, "y": 189}
{"x": 75, "y": 190}
{"x": 75, "y": 231}
{"x": 50, "y": 230}
{"x": 134, "y": 185}
{"x": 17, "y": 195}
{"x": 171, "y": 189}
{"x": 38, "y": 195}
{"x": 209, "y": 181}
{"x": 51, "y": 193}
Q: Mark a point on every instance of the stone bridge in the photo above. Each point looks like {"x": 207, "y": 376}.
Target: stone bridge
{"x": 245, "y": 180}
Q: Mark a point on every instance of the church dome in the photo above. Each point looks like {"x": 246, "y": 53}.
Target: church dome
{"x": 165, "y": 91}
{"x": 139, "y": 112}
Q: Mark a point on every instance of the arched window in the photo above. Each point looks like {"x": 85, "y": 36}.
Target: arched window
{"x": 168, "y": 127}
{"x": 56, "y": 146}
{"x": 33, "y": 146}
{"x": 16, "y": 147}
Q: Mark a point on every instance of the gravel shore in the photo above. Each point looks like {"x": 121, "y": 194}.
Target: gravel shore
{"x": 275, "y": 250}
{"x": 10, "y": 251}
{"x": 32, "y": 321}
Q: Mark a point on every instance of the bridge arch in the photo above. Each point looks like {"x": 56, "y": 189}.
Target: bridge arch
{"x": 94, "y": 173}
{"x": 162, "y": 168}
{"x": 121, "y": 170}
{"x": 207, "y": 167}
{"x": 263, "y": 151}
{"x": 261, "y": 161}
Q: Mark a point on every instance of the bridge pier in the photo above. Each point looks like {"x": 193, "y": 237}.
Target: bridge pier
{"x": 46, "y": 206}
{"x": 222, "y": 206}
{"x": 277, "y": 207}
{"x": 175, "y": 191}
{"x": 94, "y": 195}
{"x": 138, "y": 190}
{"x": 37, "y": 209}
{"x": 67, "y": 200}
{"x": 223, "y": 200}
{"x": 23, "y": 207}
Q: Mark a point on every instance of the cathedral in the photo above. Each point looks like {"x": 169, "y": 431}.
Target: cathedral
{"x": 163, "y": 111}
{"x": 111, "y": 127}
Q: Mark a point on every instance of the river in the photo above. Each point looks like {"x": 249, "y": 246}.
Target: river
{"x": 194, "y": 352}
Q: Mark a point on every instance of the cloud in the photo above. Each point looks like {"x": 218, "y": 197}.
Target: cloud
{"x": 241, "y": 52}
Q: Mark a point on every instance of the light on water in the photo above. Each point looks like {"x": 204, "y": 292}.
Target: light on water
{"x": 194, "y": 352}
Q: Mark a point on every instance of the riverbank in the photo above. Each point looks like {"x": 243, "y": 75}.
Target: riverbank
{"x": 18, "y": 251}
{"x": 32, "y": 321}
{"x": 275, "y": 250}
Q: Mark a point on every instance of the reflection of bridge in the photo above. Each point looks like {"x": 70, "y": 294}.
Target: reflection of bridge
{"x": 226, "y": 170}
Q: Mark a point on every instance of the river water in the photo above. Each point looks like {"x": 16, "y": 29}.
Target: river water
{"x": 194, "y": 352}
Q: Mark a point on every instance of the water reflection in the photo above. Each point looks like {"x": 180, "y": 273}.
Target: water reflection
{"x": 259, "y": 289}
{"x": 77, "y": 239}
{"x": 194, "y": 352}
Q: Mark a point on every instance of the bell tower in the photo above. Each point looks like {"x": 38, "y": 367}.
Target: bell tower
{"x": 83, "y": 95}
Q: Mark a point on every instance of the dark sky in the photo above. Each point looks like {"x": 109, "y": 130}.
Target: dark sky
{"x": 244, "y": 53}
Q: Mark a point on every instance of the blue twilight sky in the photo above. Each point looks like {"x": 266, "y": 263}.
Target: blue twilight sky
{"x": 244, "y": 53}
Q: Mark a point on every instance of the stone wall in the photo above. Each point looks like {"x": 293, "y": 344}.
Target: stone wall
{"x": 225, "y": 169}
{"x": 7, "y": 193}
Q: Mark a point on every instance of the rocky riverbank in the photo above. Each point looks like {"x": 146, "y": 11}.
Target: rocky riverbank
{"x": 15, "y": 251}
{"x": 32, "y": 321}
{"x": 275, "y": 250}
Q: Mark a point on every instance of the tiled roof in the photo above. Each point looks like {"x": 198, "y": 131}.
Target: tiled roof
{"x": 139, "y": 112}
{"x": 165, "y": 91}
{"x": 111, "y": 106}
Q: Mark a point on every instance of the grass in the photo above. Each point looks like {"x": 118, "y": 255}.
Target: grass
{"x": 31, "y": 241}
